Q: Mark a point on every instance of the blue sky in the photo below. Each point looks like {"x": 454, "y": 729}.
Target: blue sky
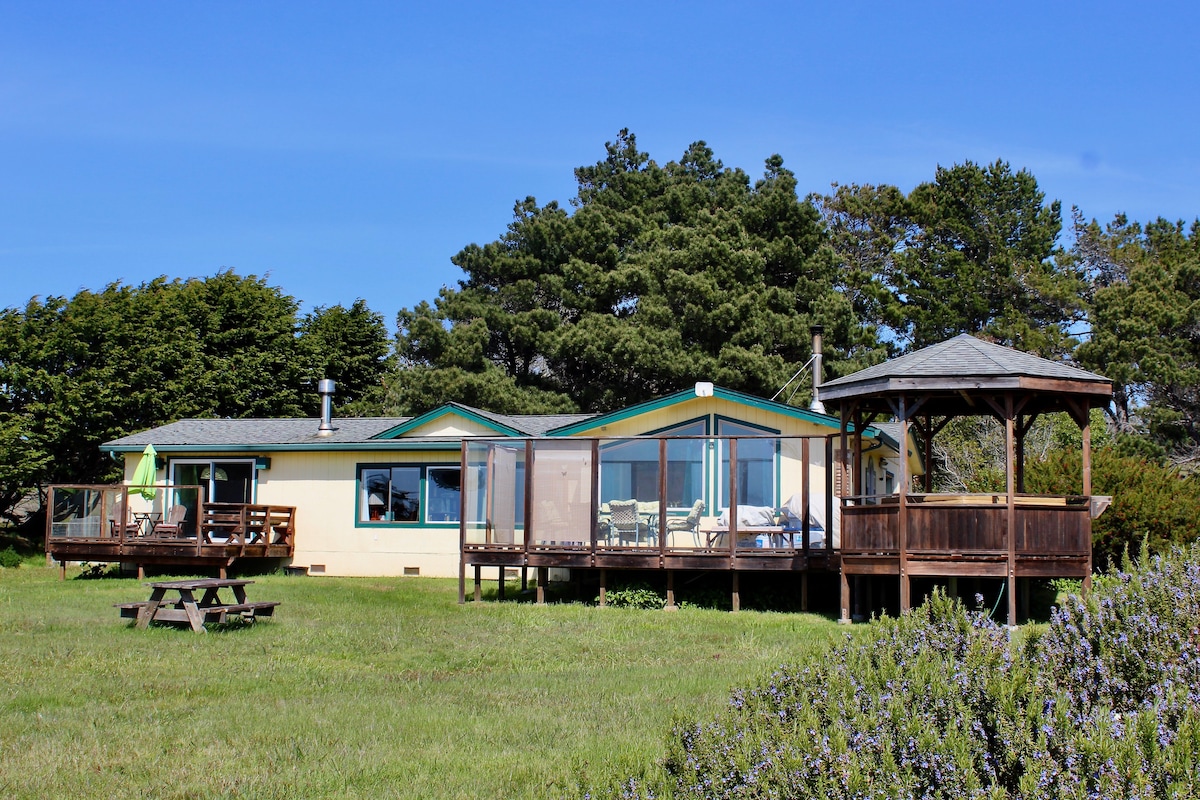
{"x": 348, "y": 150}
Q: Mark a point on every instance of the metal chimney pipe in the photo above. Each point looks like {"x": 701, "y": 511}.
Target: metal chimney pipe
{"x": 326, "y": 388}
{"x": 817, "y": 374}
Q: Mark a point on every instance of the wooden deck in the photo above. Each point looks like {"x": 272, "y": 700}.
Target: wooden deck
{"x": 223, "y": 534}
{"x": 903, "y": 535}
{"x": 968, "y": 535}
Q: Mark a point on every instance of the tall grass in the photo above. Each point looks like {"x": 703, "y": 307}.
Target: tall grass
{"x": 358, "y": 688}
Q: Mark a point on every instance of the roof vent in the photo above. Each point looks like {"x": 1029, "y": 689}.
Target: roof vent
{"x": 326, "y": 388}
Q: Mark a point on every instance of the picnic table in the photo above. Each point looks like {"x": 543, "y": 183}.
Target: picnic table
{"x": 183, "y": 605}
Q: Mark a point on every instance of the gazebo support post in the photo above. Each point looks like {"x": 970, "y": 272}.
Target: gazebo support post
{"x": 1087, "y": 488}
{"x": 1010, "y": 458}
{"x": 1019, "y": 464}
{"x": 902, "y": 514}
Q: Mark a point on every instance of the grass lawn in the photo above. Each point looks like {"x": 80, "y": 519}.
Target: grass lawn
{"x": 359, "y": 687}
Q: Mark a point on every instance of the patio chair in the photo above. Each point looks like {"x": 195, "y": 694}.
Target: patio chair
{"x": 626, "y": 522}
{"x": 690, "y": 523}
{"x": 119, "y": 522}
{"x": 171, "y": 526}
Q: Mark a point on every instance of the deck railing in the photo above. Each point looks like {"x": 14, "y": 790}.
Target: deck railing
{"x": 117, "y": 522}
{"x": 639, "y": 495}
{"x": 968, "y": 524}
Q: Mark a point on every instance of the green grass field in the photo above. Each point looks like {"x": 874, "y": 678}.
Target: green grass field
{"x": 360, "y": 687}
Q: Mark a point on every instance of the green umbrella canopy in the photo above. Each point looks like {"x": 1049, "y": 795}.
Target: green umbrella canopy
{"x": 144, "y": 475}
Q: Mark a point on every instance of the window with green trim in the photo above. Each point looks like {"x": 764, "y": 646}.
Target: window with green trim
{"x": 756, "y": 464}
{"x": 629, "y": 469}
{"x": 409, "y": 493}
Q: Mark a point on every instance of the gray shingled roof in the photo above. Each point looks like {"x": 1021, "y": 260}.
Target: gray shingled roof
{"x": 258, "y": 432}
{"x": 964, "y": 356}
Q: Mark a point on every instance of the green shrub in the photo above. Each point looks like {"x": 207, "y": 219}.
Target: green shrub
{"x": 637, "y": 595}
{"x": 1151, "y": 502}
{"x": 10, "y": 558}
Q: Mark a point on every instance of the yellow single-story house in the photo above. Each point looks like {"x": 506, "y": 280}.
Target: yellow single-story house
{"x": 387, "y": 496}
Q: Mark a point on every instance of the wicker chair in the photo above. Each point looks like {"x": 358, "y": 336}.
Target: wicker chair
{"x": 626, "y": 522}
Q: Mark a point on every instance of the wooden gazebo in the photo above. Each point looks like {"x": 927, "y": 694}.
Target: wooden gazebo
{"x": 1015, "y": 535}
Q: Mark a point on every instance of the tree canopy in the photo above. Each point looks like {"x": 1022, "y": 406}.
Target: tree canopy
{"x": 77, "y": 372}
{"x": 663, "y": 275}
{"x": 652, "y": 277}
{"x": 975, "y": 250}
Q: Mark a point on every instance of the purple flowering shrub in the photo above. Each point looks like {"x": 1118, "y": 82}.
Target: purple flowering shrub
{"x": 1104, "y": 702}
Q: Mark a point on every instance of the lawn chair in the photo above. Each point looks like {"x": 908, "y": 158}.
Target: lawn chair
{"x": 626, "y": 522}
{"x": 690, "y": 523}
{"x": 172, "y": 525}
{"x": 119, "y": 523}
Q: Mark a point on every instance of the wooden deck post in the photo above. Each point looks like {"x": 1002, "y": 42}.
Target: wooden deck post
{"x": 543, "y": 575}
{"x": 500, "y": 583}
{"x": 805, "y": 532}
{"x": 462, "y": 524}
{"x": 662, "y": 504}
{"x": 462, "y": 577}
{"x": 478, "y": 583}
{"x": 603, "y": 587}
{"x": 737, "y": 595}
{"x": 670, "y": 606}
{"x": 524, "y": 579}
{"x": 844, "y": 617}
{"x": 594, "y": 506}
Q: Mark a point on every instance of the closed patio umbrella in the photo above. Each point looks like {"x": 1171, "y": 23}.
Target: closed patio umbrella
{"x": 144, "y": 474}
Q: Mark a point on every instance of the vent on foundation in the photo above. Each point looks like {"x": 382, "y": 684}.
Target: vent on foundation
{"x": 512, "y": 573}
{"x": 412, "y": 572}
{"x": 316, "y": 569}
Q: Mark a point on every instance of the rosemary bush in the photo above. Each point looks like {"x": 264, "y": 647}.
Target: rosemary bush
{"x": 942, "y": 703}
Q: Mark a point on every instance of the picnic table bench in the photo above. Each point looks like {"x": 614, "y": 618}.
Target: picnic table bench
{"x": 184, "y": 606}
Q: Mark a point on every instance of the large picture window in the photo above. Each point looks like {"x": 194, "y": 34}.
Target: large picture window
{"x": 629, "y": 470}
{"x": 756, "y": 464}
{"x": 409, "y": 493}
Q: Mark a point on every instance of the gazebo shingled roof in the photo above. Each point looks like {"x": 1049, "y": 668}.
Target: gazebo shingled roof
{"x": 953, "y": 373}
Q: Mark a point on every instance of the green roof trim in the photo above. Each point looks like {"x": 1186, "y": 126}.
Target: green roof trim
{"x": 690, "y": 394}
{"x": 322, "y": 447}
{"x": 444, "y": 411}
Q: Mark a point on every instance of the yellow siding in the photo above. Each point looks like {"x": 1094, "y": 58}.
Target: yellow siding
{"x": 322, "y": 487}
{"x": 450, "y": 425}
{"x": 709, "y": 407}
